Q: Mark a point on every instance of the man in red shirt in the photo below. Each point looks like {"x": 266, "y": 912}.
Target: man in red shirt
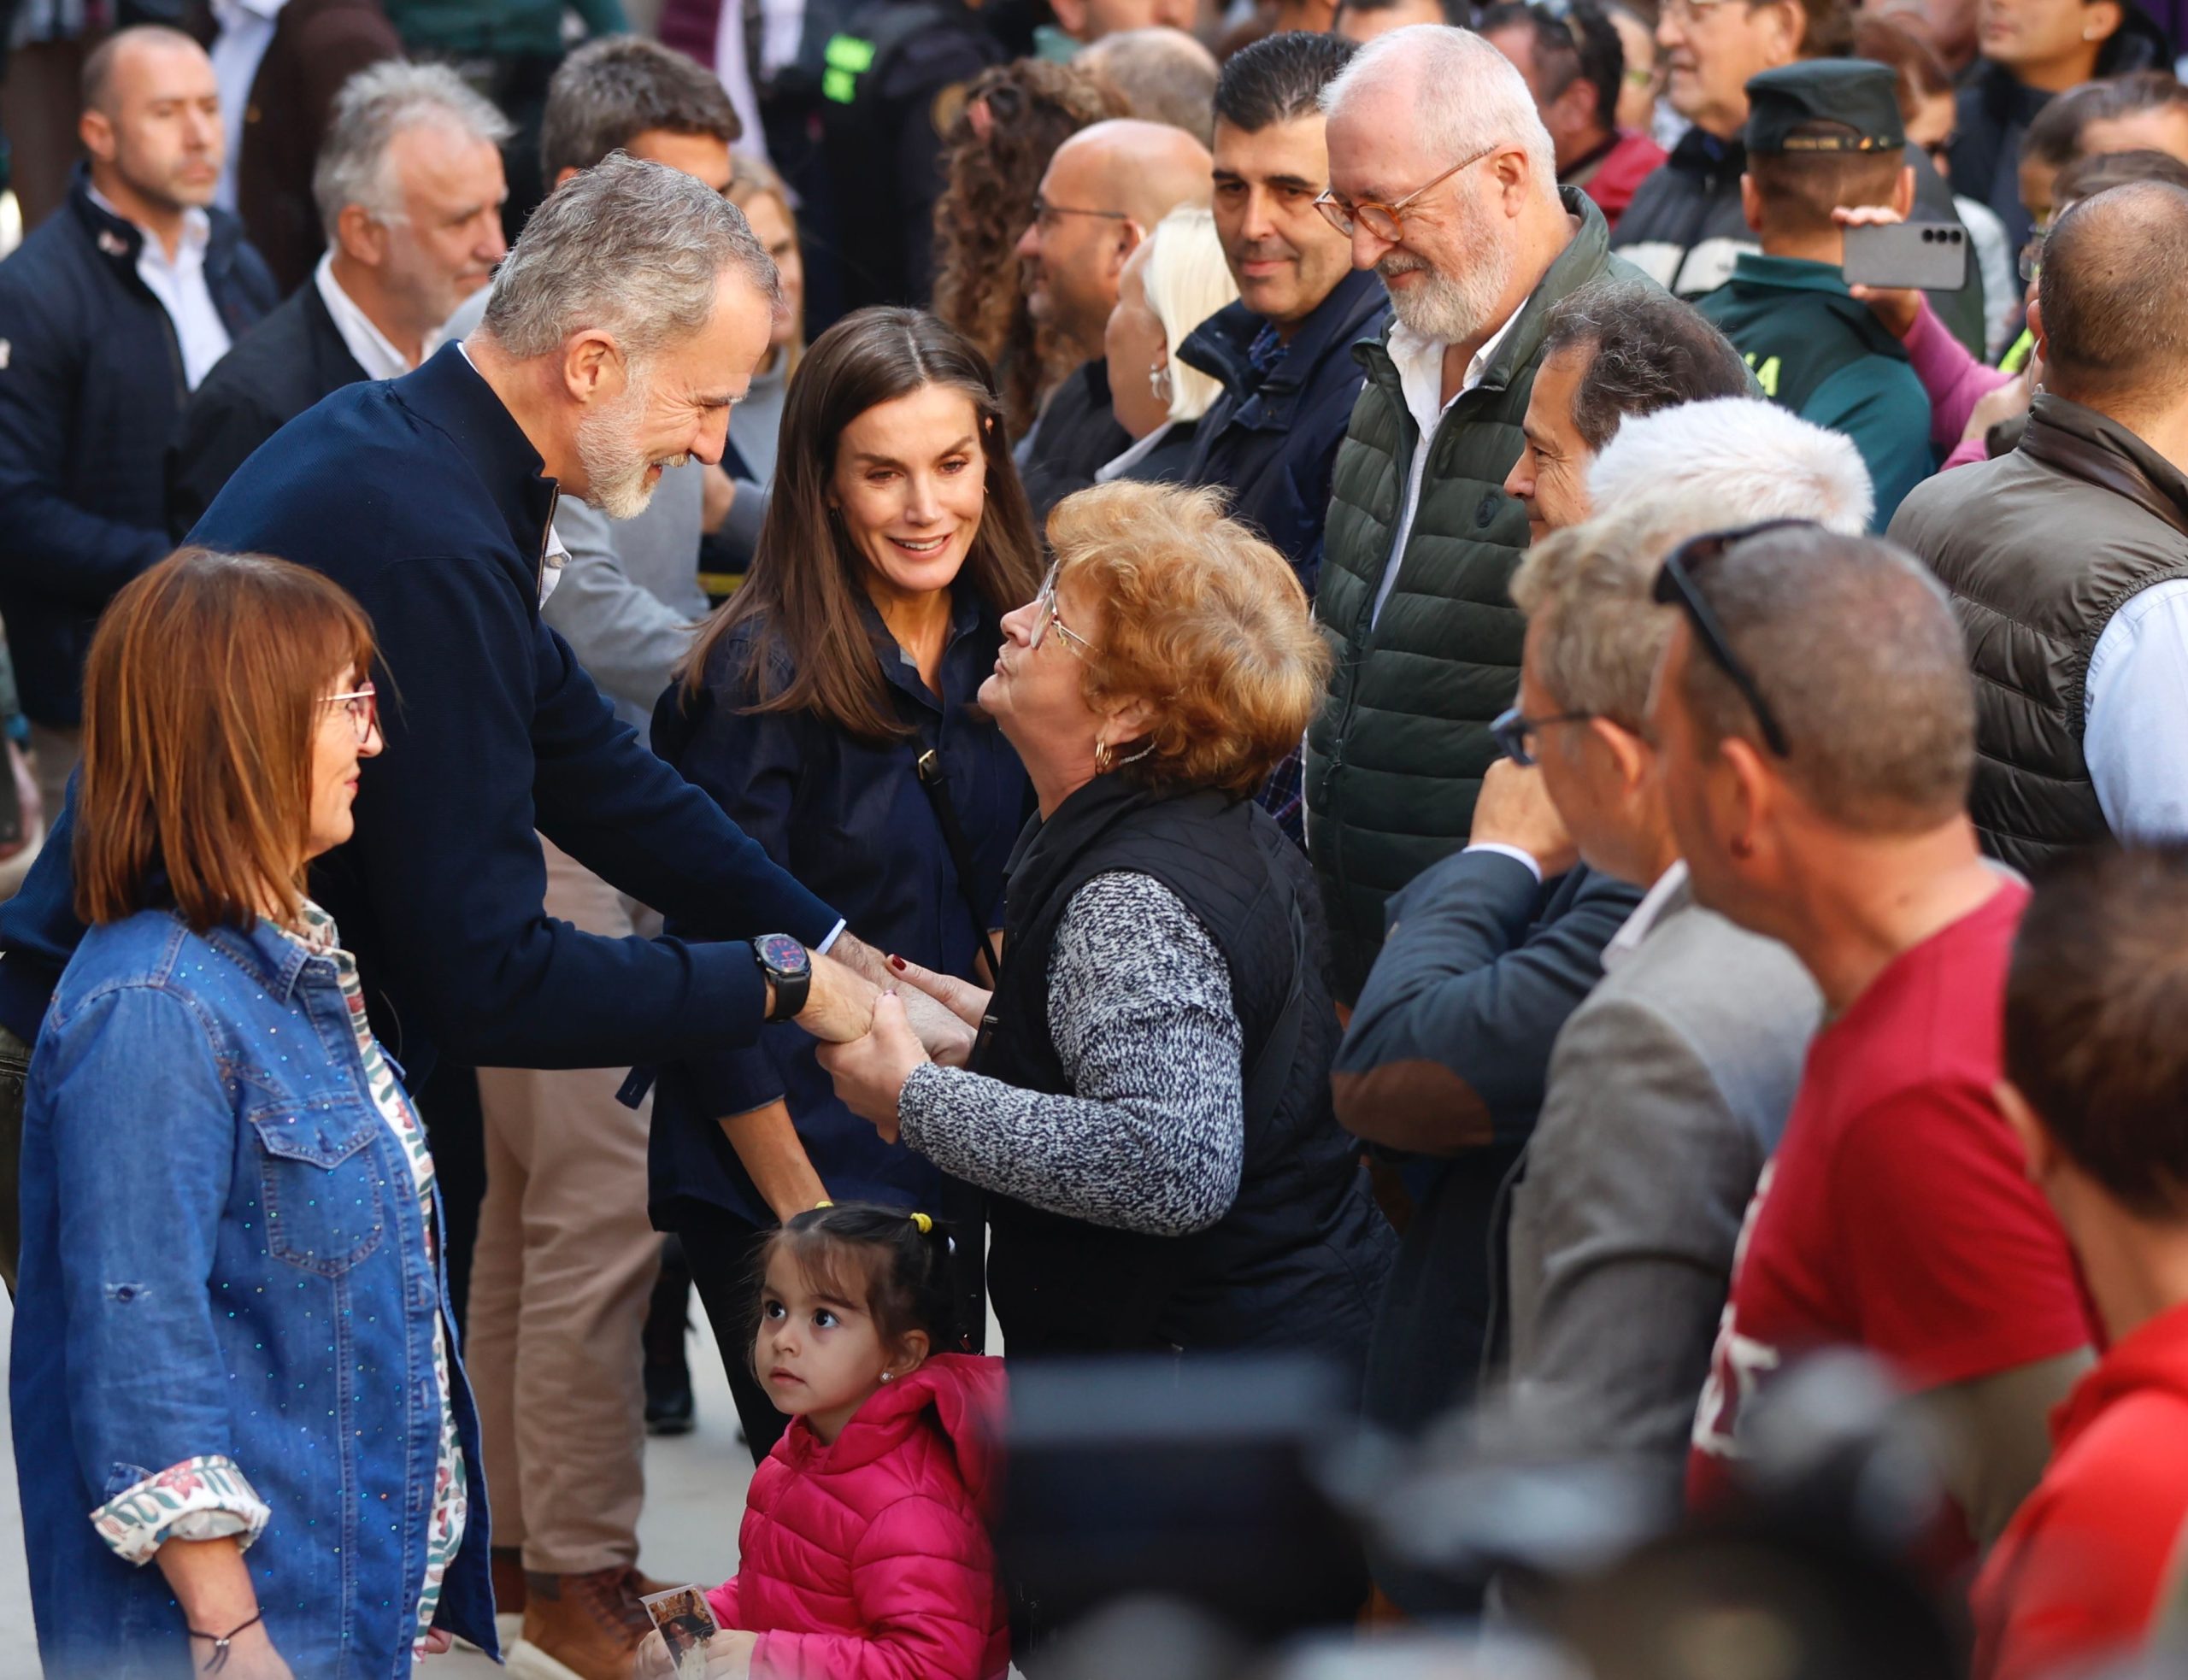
{"x": 1817, "y": 731}
{"x": 2097, "y": 1063}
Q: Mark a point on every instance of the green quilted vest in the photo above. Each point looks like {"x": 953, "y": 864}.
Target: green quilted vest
{"x": 1395, "y": 759}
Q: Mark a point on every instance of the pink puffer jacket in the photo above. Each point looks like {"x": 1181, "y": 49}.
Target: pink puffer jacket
{"x": 869, "y": 1560}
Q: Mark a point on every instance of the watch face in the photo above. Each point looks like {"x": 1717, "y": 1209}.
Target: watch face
{"x": 782, "y": 954}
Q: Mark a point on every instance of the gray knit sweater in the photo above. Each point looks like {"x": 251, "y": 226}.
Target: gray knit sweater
{"x": 1152, "y": 1137}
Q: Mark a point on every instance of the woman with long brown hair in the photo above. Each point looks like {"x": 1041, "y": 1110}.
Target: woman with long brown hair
{"x": 244, "y": 1439}
{"x": 1015, "y": 116}
{"x": 829, "y": 708}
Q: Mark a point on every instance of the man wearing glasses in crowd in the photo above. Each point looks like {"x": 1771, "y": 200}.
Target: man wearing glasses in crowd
{"x": 1444, "y": 180}
{"x": 1105, "y": 189}
{"x": 1442, "y": 177}
{"x": 1685, "y": 226}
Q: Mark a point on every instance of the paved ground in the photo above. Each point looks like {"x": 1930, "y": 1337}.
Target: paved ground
{"x": 695, "y": 1489}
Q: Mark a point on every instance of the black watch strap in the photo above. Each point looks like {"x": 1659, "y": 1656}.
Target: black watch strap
{"x": 789, "y": 967}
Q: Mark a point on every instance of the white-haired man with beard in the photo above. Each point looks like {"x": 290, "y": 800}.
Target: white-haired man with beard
{"x": 1444, "y": 177}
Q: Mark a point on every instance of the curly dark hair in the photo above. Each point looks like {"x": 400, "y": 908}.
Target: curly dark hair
{"x": 1015, "y": 118}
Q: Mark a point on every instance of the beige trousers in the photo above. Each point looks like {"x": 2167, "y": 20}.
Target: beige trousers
{"x": 559, "y": 1283}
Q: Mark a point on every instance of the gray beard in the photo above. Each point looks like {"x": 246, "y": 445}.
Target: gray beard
{"x": 1455, "y": 309}
{"x": 613, "y": 462}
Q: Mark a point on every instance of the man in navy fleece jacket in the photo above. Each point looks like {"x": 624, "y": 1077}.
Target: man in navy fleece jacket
{"x": 623, "y": 325}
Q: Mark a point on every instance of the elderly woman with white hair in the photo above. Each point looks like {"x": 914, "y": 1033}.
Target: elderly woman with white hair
{"x": 1175, "y": 280}
{"x": 1753, "y": 459}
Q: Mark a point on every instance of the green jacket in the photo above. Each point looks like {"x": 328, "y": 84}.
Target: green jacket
{"x": 1819, "y": 351}
{"x": 1396, "y": 757}
{"x": 498, "y": 28}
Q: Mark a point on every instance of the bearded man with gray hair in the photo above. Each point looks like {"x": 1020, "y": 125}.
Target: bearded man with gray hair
{"x": 1444, "y": 177}
{"x": 626, "y": 320}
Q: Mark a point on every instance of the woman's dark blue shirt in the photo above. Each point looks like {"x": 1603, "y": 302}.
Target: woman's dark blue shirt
{"x": 849, "y": 819}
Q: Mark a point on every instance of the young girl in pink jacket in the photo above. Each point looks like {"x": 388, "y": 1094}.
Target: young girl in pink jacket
{"x": 864, "y": 1551}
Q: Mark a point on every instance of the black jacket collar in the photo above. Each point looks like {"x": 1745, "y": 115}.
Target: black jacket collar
{"x": 1710, "y": 157}
{"x": 120, "y": 241}
{"x": 1219, "y": 345}
{"x": 449, "y": 393}
{"x": 1048, "y": 847}
{"x": 333, "y": 365}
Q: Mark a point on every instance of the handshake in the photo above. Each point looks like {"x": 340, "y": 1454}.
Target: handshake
{"x": 879, "y": 1018}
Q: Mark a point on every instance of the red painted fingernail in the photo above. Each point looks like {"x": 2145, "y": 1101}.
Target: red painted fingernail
{"x": 896, "y": 962}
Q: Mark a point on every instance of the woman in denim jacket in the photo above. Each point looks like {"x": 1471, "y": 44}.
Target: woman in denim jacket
{"x": 243, "y": 1441}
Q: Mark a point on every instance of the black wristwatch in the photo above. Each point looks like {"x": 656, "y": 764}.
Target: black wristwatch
{"x": 784, "y": 962}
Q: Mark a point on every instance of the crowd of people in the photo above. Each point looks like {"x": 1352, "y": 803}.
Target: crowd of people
{"x": 1489, "y": 698}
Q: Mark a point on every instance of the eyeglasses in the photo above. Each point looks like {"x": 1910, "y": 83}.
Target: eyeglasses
{"x": 1512, "y": 731}
{"x": 1045, "y": 213}
{"x": 1045, "y": 616}
{"x": 1385, "y": 221}
{"x": 1675, "y": 586}
{"x": 363, "y": 707}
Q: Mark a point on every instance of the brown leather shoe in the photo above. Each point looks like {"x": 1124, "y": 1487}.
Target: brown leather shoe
{"x": 588, "y": 1626}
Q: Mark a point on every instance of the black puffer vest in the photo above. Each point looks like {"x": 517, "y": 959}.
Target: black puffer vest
{"x": 2039, "y": 548}
{"x": 1299, "y": 1260}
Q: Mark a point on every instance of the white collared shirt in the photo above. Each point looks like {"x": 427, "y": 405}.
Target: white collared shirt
{"x": 1419, "y": 360}
{"x": 246, "y": 32}
{"x": 369, "y": 346}
{"x": 1643, "y": 922}
{"x": 180, "y": 284}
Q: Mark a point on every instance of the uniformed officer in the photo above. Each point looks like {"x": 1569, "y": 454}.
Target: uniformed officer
{"x": 894, "y": 80}
{"x": 1823, "y": 133}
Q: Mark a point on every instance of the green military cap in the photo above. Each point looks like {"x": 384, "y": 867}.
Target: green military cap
{"x": 1859, "y": 95}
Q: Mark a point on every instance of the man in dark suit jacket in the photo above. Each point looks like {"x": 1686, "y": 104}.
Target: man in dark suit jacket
{"x": 309, "y": 49}
{"x": 410, "y": 191}
{"x": 109, "y": 313}
{"x": 1442, "y": 1067}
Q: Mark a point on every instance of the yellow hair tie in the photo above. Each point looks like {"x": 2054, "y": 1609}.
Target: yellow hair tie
{"x": 925, "y": 1224}
{"x": 818, "y": 1206}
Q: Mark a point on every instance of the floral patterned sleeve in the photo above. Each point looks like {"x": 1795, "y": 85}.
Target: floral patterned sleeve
{"x": 203, "y": 1498}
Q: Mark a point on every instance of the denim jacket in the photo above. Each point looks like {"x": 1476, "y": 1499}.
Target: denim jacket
{"x": 223, "y": 1254}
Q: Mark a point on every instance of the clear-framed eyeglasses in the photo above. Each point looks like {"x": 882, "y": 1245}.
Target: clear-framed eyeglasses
{"x": 1047, "y": 617}
{"x": 362, "y": 704}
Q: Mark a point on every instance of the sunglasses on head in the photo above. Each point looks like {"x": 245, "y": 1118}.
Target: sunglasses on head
{"x": 1676, "y": 587}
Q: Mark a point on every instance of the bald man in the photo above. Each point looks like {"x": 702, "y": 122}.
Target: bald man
{"x": 110, "y": 313}
{"x": 1105, "y": 188}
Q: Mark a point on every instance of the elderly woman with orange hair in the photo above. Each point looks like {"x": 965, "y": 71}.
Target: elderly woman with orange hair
{"x": 1148, "y": 1105}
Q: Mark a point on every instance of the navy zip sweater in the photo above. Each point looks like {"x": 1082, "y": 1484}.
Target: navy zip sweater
{"x": 424, "y": 499}
{"x": 91, "y": 388}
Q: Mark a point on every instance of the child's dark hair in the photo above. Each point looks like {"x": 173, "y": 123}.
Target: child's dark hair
{"x": 896, "y": 1261}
